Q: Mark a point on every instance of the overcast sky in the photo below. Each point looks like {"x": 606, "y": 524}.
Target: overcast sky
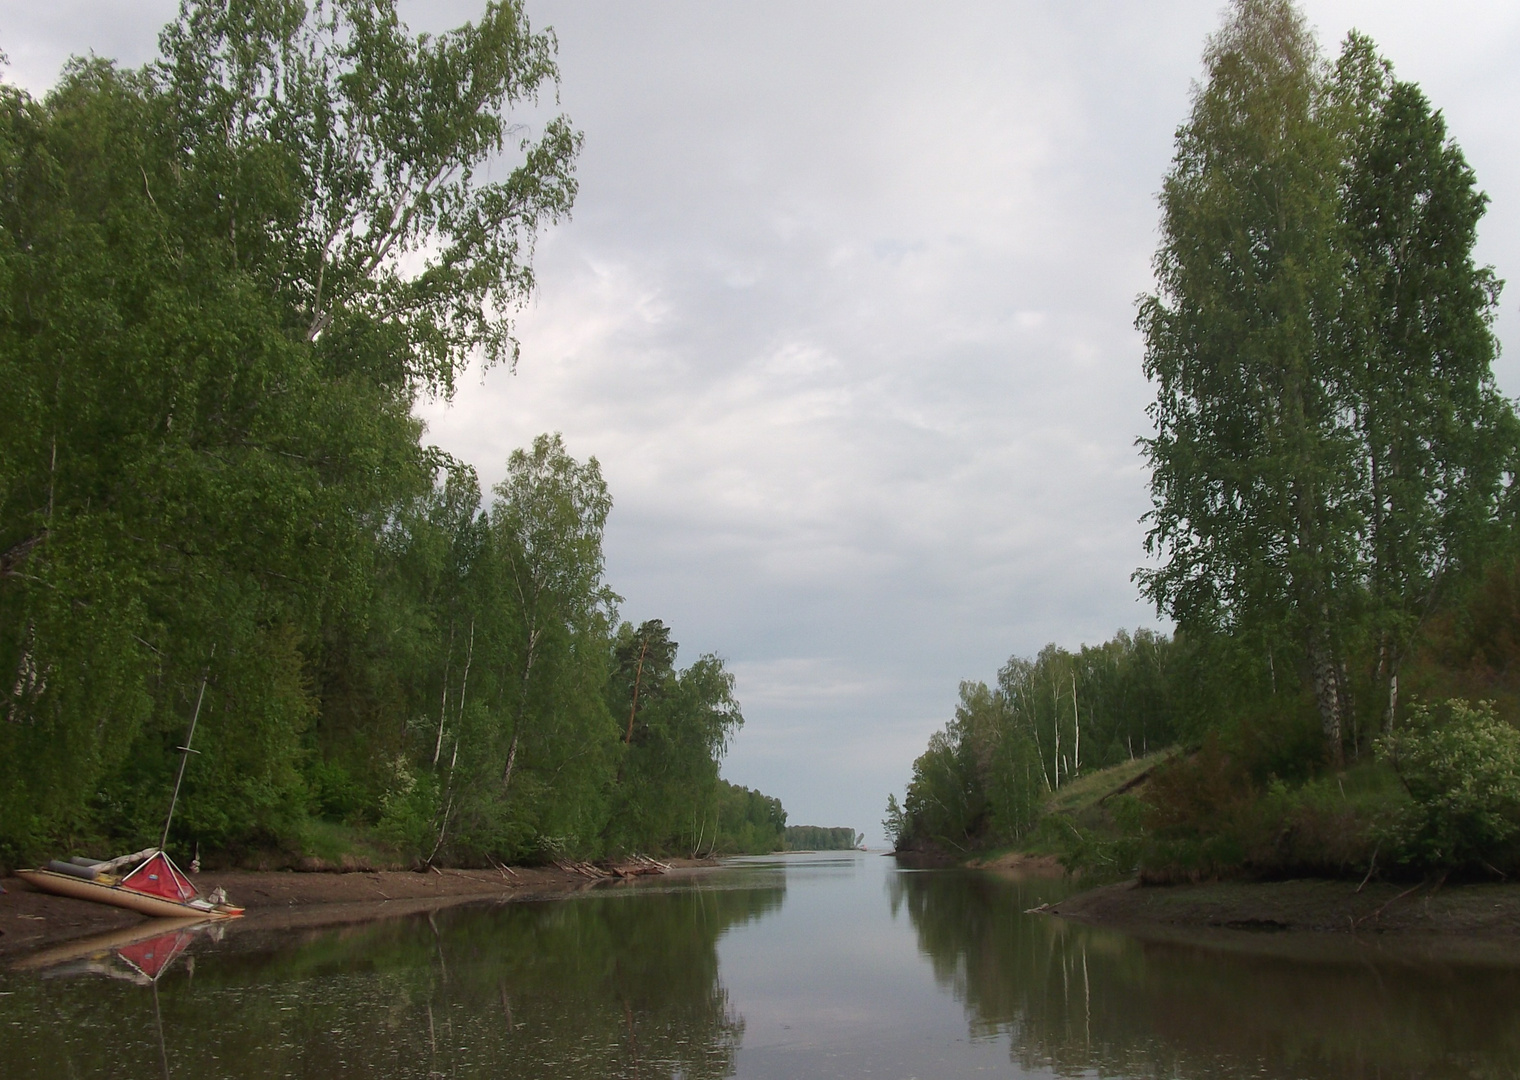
{"x": 845, "y": 312}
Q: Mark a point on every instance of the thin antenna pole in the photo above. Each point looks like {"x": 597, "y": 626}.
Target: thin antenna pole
{"x": 185, "y": 751}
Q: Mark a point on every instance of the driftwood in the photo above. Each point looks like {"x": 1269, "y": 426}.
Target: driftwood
{"x": 1377, "y": 916}
{"x": 585, "y": 869}
{"x": 639, "y": 865}
{"x": 632, "y": 866}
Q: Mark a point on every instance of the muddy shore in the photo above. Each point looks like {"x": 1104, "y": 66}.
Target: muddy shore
{"x": 275, "y": 900}
{"x": 1314, "y": 919}
{"x": 1307, "y": 919}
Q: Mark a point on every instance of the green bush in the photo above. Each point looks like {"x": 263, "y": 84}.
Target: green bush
{"x": 1098, "y": 852}
{"x": 409, "y": 812}
{"x": 1462, "y": 774}
{"x": 1205, "y": 817}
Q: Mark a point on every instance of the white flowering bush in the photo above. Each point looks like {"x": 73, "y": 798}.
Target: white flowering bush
{"x": 1462, "y": 773}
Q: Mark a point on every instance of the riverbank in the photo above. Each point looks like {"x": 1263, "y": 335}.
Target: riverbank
{"x": 1316, "y": 918}
{"x": 275, "y": 900}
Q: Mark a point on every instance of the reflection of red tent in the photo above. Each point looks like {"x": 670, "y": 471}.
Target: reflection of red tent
{"x": 151, "y": 957}
{"x": 160, "y": 877}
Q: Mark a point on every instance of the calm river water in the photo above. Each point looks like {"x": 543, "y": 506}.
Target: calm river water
{"x": 828, "y": 965}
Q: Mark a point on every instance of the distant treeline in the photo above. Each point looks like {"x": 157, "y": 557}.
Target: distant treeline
{"x": 226, "y": 278}
{"x": 748, "y": 822}
{"x": 1335, "y": 513}
{"x": 818, "y": 838}
{"x": 984, "y": 778}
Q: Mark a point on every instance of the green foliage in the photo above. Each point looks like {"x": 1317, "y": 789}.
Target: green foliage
{"x": 1099, "y": 853}
{"x": 511, "y": 748}
{"x": 895, "y": 824}
{"x": 1331, "y": 449}
{"x": 679, "y": 724}
{"x": 1246, "y": 462}
{"x": 986, "y": 779}
{"x": 819, "y": 838}
{"x": 1207, "y": 815}
{"x": 1333, "y": 505}
{"x": 225, "y": 279}
{"x": 1417, "y": 347}
{"x": 1462, "y": 773}
{"x": 409, "y": 811}
{"x": 749, "y": 823}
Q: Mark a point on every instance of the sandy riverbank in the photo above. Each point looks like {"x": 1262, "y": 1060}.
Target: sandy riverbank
{"x": 32, "y": 920}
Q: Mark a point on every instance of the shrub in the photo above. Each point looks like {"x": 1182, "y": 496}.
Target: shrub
{"x": 1101, "y": 852}
{"x": 1463, "y": 779}
{"x": 409, "y": 811}
{"x": 1206, "y": 817}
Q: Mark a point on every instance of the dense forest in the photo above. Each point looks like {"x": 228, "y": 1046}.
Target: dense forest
{"x": 226, "y": 278}
{"x": 1333, "y": 527}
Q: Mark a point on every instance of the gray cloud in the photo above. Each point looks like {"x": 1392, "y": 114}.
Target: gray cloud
{"x": 845, "y": 312}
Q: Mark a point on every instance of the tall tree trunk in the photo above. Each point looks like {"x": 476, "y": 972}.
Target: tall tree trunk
{"x": 1076, "y": 722}
{"x": 506, "y": 777}
{"x": 522, "y": 705}
{"x": 638, "y": 675}
{"x": 464, "y": 682}
{"x": 443, "y": 705}
{"x": 1327, "y": 693}
{"x": 1055, "y": 716}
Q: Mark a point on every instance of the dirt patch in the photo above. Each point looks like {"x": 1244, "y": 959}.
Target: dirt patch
{"x": 31, "y": 919}
{"x": 1017, "y": 864}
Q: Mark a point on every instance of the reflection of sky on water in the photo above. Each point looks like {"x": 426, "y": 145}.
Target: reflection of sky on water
{"x": 809, "y": 965}
{"x": 833, "y": 984}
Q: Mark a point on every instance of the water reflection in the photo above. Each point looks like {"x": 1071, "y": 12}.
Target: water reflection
{"x": 844, "y": 968}
{"x": 622, "y": 984}
{"x": 1073, "y": 998}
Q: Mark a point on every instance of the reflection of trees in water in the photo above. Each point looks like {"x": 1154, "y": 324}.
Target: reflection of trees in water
{"x": 1073, "y": 997}
{"x": 622, "y": 985}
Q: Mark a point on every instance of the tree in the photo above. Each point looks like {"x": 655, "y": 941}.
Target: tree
{"x": 676, "y": 726}
{"x": 1252, "y": 477}
{"x": 643, "y": 670}
{"x": 383, "y": 230}
{"x": 547, "y": 617}
{"x": 224, "y": 278}
{"x": 1329, "y": 443}
{"x": 1434, "y": 434}
{"x": 1463, "y": 781}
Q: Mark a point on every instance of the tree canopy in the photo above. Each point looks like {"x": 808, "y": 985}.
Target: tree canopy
{"x": 1330, "y": 446}
{"x": 225, "y": 280}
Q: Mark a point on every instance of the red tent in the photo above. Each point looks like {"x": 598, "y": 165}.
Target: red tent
{"x": 160, "y": 877}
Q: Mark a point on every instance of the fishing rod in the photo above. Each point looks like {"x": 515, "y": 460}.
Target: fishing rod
{"x": 185, "y": 751}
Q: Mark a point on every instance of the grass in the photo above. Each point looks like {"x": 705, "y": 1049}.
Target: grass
{"x": 1084, "y": 797}
{"x": 1087, "y": 821}
{"x": 345, "y": 846}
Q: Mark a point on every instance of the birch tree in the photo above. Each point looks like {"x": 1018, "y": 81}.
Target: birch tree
{"x": 1436, "y": 438}
{"x": 1252, "y": 473}
{"x": 1329, "y": 444}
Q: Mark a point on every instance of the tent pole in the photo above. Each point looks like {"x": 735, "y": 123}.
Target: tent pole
{"x": 185, "y": 750}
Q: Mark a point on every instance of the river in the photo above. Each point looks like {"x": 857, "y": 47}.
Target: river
{"x": 824, "y": 965}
